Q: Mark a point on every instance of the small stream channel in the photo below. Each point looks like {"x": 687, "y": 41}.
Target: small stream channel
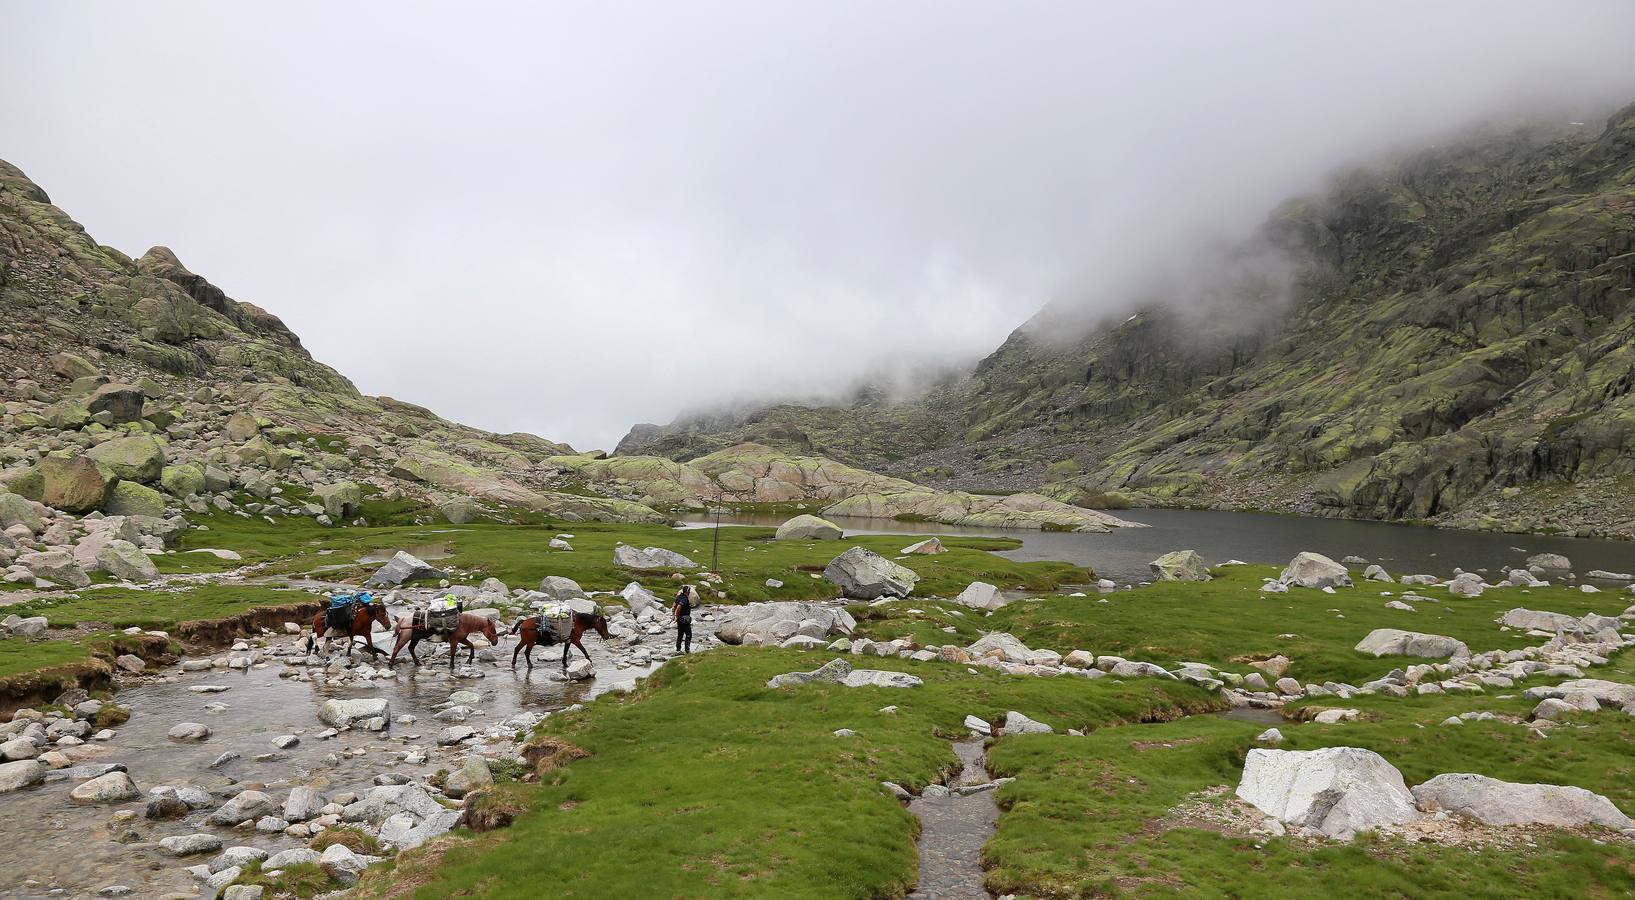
{"x": 953, "y": 829}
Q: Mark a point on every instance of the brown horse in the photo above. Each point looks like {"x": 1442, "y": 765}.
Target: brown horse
{"x": 469, "y": 624}
{"x": 533, "y": 632}
{"x": 361, "y": 621}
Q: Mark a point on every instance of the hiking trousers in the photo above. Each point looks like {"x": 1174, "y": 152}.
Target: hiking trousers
{"x": 684, "y": 632}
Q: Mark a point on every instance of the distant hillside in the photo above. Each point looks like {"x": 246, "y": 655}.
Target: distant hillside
{"x": 137, "y": 387}
{"x": 1451, "y": 340}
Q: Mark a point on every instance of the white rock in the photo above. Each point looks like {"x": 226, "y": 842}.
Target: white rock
{"x": 1337, "y": 791}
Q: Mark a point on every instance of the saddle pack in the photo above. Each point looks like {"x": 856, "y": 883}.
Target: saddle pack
{"x": 556, "y": 619}
{"x": 338, "y": 615}
{"x": 439, "y": 616}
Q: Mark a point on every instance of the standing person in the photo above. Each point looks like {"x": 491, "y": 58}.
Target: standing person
{"x": 682, "y": 612}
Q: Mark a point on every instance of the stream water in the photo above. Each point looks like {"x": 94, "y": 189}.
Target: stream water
{"x": 1124, "y": 553}
{"x": 55, "y": 848}
{"x": 953, "y": 829}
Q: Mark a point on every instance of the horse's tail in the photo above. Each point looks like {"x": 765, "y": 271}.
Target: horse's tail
{"x": 517, "y": 625}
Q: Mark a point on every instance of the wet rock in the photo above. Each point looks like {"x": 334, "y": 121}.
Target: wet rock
{"x": 1180, "y": 565}
{"x": 1494, "y": 802}
{"x": 404, "y": 567}
{"x": 341, "y": 713}
{"x": 303, "y": 803}
{"x": 129, "y": 663}
{"x": 580, "y": 670}
{"x": 189, "y": 731}
{"x": 471, "y": 775}
{"x": 285, "y": 741}
{"x": 808, "y": 528}
{"x": 1395, "y": 642}
{"x": 455, "y": 735}
{"x": 1336, "y": 791}
{"x": 862, "y": 574}
{"x": 1315, "y": 571}
{"x": 18, "y": 748}
{"x": 165, "y": 806}
{"x": 245, "y": 807}
{"x": 114, "y": 787}
{"x": 190, "y": 844}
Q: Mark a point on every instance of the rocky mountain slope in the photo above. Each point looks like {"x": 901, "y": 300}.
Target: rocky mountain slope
{"x": 1445, "y": 336}
{"x": 138, "y": 388}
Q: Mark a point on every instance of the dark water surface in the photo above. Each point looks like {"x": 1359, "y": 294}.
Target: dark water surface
{"x": 1123, "y": 554}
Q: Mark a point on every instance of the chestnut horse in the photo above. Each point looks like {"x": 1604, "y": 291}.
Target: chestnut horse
{"x": 363, "y": 619}
{"x": 469, "y": 624}
{"x": 533, "y": 632}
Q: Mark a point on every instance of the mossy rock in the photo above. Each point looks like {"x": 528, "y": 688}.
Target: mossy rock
{"x": 182, "y": 481}
{"x": 131, "y": 499}
{"x": 137, "y": 458}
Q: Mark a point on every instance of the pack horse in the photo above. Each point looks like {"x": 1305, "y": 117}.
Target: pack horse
{"x": 349, "y": 616}
{"x": 559, "y": 625}
{"x": 445, "y": 619}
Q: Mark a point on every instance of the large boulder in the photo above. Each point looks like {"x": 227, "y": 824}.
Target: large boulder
{"x": 135, "y": 458}
{"x": 114, "y": 787}
{"x": 862, "y": 574}
{"x": 1541, "y": 620}
{"x": 808, "y": 528}
{"x": 650, "y": 558}
{"x": 928, "y": 547}
{"x": 405, "y": 567}
{"x": 1396, "y": 642}
{"x": 1494, "y": 802}
{"x": 1554, "y": 562}
{"x": 981, "y": 595}
{"x": 1180, "y": 565}
{"x": 1610, "y": 694}
{"x": 56, "y": 566}
{"x": 772, "y": 623}
{"x": 123, "y": 402}
{"x": 460, "y": 510}
{"x": 182, "y": 481}
{"x": 341, "y": 500}
{"x": 1314, "y": 570}
{"x": 123, "y": 559}
{"x": 640, "y": 598}
{"x": 341, "y": 713}
{"x": 1004, "y": 646}
{"x": 15, "y": 509}
{"x": 21, "y": 774}
{"x": 71, "y": 483}
{"x": 131, "y": 499}
{"x": 1336, "y": 791}
{"x": 560, "y": 589}
{"x": 833, "y": 672}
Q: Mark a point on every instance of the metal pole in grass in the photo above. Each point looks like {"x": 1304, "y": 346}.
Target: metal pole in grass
{"x": 715, "y": 543}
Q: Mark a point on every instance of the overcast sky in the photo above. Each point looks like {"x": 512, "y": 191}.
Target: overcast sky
{"x": 568, "y": 218}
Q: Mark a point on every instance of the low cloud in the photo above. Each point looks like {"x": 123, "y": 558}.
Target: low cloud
{"x": 566, "y": 219}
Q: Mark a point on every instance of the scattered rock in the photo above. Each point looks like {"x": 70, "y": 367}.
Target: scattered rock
{"x": 1336, "y": 791}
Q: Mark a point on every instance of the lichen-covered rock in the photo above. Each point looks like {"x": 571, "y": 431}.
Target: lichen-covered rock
{"x": 137, "y": 458}
{"x": 123, "y": 559}
{"x": 71, "y": 483}
{"x": 341, "y": 500}
{"x": 1314, "y": 570}
{"x": 1180, "y": 565}
{"x": 57, "y": 566}
{"x": 1494, "y": 802}
{"x": 131, "y": 499}
{"x": 650, "y": 558}
{"x": 1335, "y": 791}
{"x": 862, "y": 574}
{"x": 808, "y": 528}
{"x": 1395, "y": 642}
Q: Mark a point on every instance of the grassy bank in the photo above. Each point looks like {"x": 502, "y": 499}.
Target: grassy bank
{"x": 1228, "y": 620}
{"x": 1093, "y": 816}
{"x": 519, "y": 555}
{"x": 708, "y": 784}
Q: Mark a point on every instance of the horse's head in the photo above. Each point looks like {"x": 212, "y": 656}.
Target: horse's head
{"x": 377, "y": 613}
{"x": 600, "y": 624}
{"x": 491, "y": 632}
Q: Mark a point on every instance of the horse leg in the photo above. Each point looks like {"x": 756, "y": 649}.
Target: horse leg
{"x": 412, "y": 642}
{"x": 514, "y": 656}
{"x": 528, "y": 657}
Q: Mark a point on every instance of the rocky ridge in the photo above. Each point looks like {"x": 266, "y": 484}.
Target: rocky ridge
{"x": 1443, "y": 336}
